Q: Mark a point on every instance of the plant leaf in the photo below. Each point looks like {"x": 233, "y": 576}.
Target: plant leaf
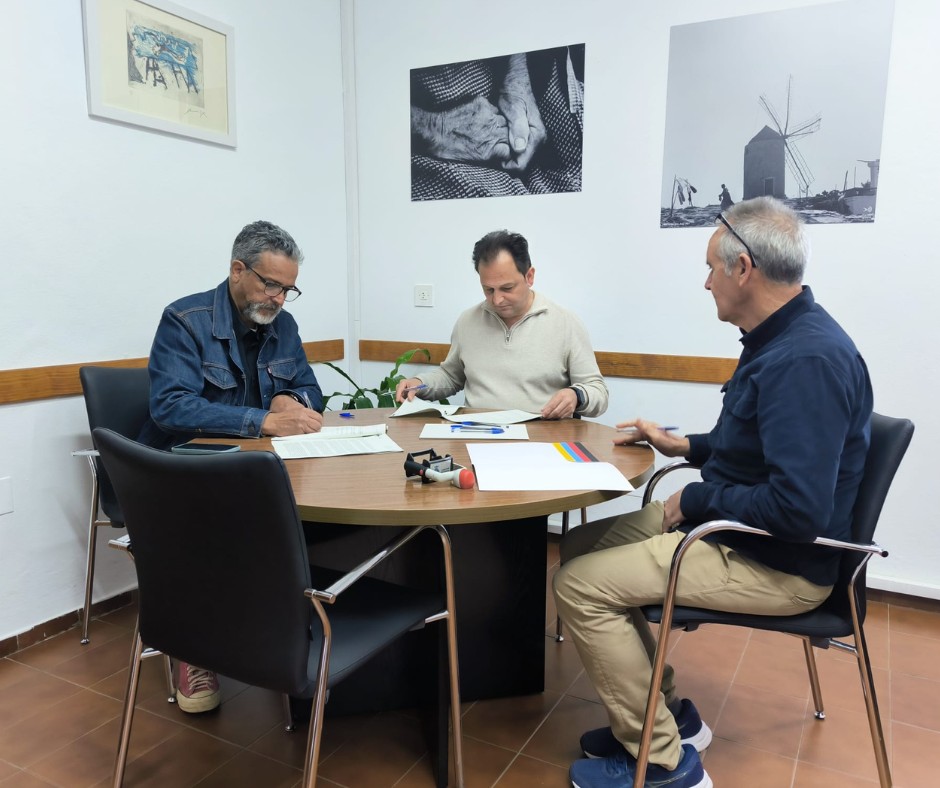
{"x": 384, "y": 394}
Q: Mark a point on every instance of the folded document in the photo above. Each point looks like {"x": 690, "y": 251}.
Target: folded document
{"x": 336, "y": 442}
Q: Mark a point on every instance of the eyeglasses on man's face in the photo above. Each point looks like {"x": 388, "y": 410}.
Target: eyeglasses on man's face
{"x": 273, "y": 289}
{"x": 743, "y": 243}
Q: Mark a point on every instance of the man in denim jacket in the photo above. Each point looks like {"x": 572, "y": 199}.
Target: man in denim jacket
{"x": 229, "y": 362}
{"x": 200, "y": 383}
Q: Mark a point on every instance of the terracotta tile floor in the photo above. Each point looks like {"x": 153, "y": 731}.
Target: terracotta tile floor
{"x": 60, "y": 701}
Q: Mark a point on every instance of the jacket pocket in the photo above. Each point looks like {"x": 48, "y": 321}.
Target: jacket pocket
{"x": 220, "y": 384}
{"x": 283, "y": 371}
{"x": 741, "y": 402}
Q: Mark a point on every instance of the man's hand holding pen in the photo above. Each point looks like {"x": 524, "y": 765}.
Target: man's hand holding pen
{"x": 407, "y": 388}
{"x": 660, "y": 438}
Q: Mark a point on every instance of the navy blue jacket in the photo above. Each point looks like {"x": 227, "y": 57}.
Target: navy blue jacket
{"x": 789, "y": 448}
{"x": 197, "y": 382}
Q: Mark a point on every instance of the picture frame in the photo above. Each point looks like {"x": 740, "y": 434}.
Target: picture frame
{"x": 156, "y": 65}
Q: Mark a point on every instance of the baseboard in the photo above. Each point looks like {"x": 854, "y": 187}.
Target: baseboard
{"x": 891, "y": 585}
{"x": 60, "y": 624}
{"x": 904, "y": 600}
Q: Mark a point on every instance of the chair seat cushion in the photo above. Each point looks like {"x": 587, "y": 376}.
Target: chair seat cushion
{"x": 367, "y": 617}
{"x": 819, "y": 623}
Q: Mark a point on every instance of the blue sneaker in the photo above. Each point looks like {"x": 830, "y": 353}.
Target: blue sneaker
{"x": 601, "y": 743}
{"x": 618, "y": 771}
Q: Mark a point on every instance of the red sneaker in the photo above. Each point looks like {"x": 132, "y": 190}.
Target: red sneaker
{"x": 197, "y": 689}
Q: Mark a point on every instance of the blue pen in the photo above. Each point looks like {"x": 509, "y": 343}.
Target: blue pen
{"x": 346, "y": 415}
{"x": 476, "y": 428}
{"x": 414, "y": 388}
{"x": 661, "y": 429}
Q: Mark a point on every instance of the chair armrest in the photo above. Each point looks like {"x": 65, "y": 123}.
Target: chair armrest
{"x": 121, "y": 543}
{"x": 663, "y": 472}
{"x": 85, "y": 453}
{"x": 330, "y": 595}
{"x": 714, "y": 526}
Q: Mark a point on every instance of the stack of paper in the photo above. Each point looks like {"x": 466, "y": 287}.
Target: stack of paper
{"x": 336, "y": 442}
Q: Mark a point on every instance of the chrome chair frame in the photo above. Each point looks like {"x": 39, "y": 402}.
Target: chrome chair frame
{"x": 94, "y": 523}
{"x": 559, "y": 634}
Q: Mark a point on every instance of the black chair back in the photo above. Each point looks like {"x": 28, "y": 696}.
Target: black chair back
{"x": 890, "y": 438}
{"x": 221, "y": 560}
{"x": 117, "y": 398}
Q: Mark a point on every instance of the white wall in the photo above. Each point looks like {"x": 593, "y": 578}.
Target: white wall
{"x": 602, "y": 253}
{"x": 105, "y": 224}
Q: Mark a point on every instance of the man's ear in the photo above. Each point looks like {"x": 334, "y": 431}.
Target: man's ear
{"x": 530, "y": 276}
{"x": 236, "y": 268}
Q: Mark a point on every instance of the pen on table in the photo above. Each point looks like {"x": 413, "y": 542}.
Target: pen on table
{"x": 414, "y": 388}
{"x": 476, "y": 428}
{"x": 633, "y": 429}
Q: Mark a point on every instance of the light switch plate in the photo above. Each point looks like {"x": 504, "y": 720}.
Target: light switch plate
{"x": 424, "y": 295}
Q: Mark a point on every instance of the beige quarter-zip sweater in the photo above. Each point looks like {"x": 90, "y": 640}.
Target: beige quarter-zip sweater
{"x": 521, "y": 367}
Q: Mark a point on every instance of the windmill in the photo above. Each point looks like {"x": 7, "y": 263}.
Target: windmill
{"x": 796, "y": 164}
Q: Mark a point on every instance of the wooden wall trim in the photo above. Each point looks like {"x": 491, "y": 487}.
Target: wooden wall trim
{"x": 379, "y": 350}
{"x": 687, "y": 369}
{"x": 37, "y": 383}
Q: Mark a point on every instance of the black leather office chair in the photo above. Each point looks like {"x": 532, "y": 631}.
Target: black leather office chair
{"x": 117, "y": 398}
{"x": 841, "y": 615}
{"x": 224, "y": 583}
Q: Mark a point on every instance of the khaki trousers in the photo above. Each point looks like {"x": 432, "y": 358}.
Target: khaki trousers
{"x": 613, "y": 566}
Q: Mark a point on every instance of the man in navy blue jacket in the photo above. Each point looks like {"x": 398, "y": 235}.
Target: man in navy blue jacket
{"x": 786, "y": 455}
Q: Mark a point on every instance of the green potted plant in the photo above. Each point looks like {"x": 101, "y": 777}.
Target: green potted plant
{"x": 384, "y": 393}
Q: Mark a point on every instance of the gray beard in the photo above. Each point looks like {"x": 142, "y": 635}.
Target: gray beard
{"x": 260, "y": 314}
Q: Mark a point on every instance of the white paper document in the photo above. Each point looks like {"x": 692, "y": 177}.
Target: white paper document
{"x": 512, "y": 432}
{"x": 496, "y": 417}
{"x": 540, "y": 466}
{"x": 420, "y": 406}
{"x": 336, "y": 442}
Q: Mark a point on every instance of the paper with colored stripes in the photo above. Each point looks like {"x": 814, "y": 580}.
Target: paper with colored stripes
{"x": 541, "y": 466}
{"x": 575, "y": 452}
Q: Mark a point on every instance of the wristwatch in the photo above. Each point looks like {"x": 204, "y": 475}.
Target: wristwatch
{"x": 580, "y": 395}
{"x": 292, "y": 395}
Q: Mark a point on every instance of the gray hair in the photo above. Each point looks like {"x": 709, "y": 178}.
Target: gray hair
{"x": 774, "y": 232}
{"x": 261, "y": 236}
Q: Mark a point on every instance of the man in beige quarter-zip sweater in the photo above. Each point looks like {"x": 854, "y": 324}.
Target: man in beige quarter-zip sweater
{"x": 516, "y": 349}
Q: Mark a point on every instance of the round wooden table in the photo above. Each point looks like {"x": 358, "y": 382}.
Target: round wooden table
{"x": 371, "y": 489}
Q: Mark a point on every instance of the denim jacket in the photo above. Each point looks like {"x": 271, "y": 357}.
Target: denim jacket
{"x": 197, "y": 383}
